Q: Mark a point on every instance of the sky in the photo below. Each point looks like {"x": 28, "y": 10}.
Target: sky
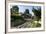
{"x": 22, "y": 8}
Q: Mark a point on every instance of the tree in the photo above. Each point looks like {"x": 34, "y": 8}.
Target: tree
{"x": 15, "y": 18}
{"x": 14, "y": 9}
{"x": 37, "y": 13}
{"x": 27, "y": 14}
{"x": 26, "y": 11}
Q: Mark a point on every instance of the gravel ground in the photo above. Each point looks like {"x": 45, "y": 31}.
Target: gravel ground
{"x": 27, "y": 24}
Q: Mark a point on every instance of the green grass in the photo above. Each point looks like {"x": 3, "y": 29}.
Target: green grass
{"x": 35, "y": 24}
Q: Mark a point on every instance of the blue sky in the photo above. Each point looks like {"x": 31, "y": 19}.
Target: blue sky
{"x": 23, "y": 8}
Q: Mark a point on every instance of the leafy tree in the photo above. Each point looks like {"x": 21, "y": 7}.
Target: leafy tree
{"x": 37, "y": 13}
{"x": 27, "y": 14}
{"x": 14, "y": 9}
{"x": 26, "y": 11}
{"x": 15, "y": 18}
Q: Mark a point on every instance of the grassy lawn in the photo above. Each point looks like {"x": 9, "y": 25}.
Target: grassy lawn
{"x": 35, "y": 23}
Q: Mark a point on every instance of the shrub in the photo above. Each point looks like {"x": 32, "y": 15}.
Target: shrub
{"x": 17, "y": 20}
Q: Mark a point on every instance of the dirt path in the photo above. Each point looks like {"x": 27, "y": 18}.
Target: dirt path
{"x": 27, "y": 24}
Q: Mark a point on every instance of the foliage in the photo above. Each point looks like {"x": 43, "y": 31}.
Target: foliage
{"x": 18, "y": 20}
{"x": 14, "y": 9}
{"x": 37, "y": 13}
{"x": 15, "y": 18}
{"x": 26, "y": 11}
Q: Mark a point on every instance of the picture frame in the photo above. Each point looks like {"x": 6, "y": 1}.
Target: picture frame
{"x": 10, "y": 4}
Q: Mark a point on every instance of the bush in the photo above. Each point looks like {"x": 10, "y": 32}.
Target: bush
{"x": 38, "y": 25}
{"x": 17, "y": 20}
